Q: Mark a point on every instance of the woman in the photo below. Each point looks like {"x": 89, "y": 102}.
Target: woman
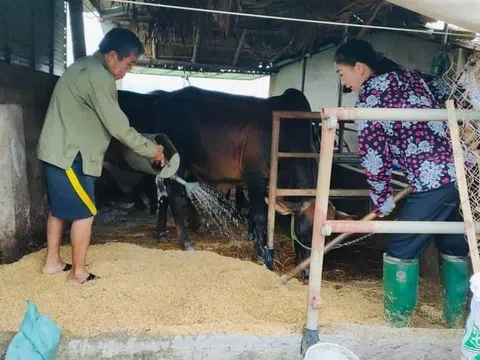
{"x": 423, "y": 152}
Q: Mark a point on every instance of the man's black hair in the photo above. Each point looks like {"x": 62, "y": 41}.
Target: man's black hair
{"x": 123, "y": 41}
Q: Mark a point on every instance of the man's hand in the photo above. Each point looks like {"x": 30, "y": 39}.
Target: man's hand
{"x": 159, "y": 158}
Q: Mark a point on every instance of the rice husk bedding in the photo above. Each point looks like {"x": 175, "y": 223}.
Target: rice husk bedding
{"x": 153, "y": 291}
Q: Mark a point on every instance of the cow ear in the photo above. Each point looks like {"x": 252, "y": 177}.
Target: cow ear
{"x": 283, "y": 207}
{"x": 305, "y": 205}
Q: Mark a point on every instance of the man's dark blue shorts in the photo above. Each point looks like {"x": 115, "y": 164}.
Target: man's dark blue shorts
{"x": 71, "y": 193}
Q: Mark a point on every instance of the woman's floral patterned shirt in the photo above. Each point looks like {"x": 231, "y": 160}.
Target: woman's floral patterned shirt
{"x": 421, "y": 150}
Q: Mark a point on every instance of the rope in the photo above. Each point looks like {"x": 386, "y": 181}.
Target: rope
{"x": 295, "y": 239}
{"x": 319, "y": 22}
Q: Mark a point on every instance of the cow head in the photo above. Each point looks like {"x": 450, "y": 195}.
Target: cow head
{"x": 303, "y": 213}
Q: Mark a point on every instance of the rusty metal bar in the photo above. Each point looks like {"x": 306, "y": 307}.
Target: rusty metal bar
{"x": 462, "y": 186}
{"x": 297, "y": 155}
{"x": 272, "y": 189}
{"x": 332, "y": 192}
{"x": 298, "y": 115}
{"x": 304, "y": 72}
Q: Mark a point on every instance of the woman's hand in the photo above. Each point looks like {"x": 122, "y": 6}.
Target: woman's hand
{"x": 386, "y": 209}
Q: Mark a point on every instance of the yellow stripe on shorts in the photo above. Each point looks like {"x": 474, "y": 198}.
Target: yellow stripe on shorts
{"x": 80, "y": 191}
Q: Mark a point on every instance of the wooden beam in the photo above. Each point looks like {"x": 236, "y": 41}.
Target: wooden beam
{"x": 363, "y": 32}
{"x": 239, "y": 47}
{"x": 196, "y": 47}
{"x": 282, "y": 52}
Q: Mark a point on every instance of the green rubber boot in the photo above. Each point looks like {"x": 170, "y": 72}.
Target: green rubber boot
{"x": 454, "y": 278}
{"x": 400, "y": 289}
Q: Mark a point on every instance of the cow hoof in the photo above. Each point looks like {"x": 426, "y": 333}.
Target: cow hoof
{"x": 306, "y": 275}
{"x": 189, "y": 247}
{"x": 193, "y": 228}
{"x": 162, "y": 235}
{"x": 140, "y": 206}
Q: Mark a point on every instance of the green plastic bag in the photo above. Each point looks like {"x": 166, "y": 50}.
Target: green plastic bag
{"x": 37, "y": 339}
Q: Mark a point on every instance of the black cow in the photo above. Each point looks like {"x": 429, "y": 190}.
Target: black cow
{"x": 225, "y": 141}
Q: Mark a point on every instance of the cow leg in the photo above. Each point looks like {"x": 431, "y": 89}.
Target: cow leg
{"x": 240, "y": 200}
{"x": 257, "y": 188}
{"x": 137, "y": 197}
{"x": 193, "y": 216}
{"x": 161, "y": 228}
{"x": 161, "y": 203}
{"x": 176, "y": 198}
{"x": 151, "y": 192}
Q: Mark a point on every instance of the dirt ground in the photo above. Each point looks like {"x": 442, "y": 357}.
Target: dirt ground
{"x": 358, "y": 266}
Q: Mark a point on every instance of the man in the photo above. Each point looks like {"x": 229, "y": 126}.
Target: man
{"x": 82, "y": 116}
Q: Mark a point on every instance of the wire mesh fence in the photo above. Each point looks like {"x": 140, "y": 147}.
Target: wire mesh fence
{"x": 465, "y": 92}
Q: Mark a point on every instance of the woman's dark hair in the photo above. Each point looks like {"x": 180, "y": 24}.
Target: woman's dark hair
{"x": 123, "y": 42}
{"x": 354, "y": 51}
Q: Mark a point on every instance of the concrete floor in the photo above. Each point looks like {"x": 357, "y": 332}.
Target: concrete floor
{"x": 367, "y": 342}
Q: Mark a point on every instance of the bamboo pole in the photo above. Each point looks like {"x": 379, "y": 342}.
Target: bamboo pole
{"x": 332, "y": 192}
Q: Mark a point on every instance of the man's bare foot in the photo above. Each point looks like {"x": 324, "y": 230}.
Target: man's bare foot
{"x": 79, "y": 279}
{"x": 50, "y": 268}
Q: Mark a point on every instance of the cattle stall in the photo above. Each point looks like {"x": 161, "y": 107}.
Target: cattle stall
{"x": 153, "y": 299}
{"x": 324, "y": 226}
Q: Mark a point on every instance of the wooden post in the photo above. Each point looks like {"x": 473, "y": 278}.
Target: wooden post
{"x": 320, "y": 216}
{"x": 272, "y": 187}
{"x": 76, "y": 25}
{"x": 462, "y": 186}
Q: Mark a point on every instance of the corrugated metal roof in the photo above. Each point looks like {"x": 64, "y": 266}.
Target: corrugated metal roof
{"x": 33, "y": 34}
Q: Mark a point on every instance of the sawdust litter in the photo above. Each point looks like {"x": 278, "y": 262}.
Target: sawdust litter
{"x": 152, "y": 291}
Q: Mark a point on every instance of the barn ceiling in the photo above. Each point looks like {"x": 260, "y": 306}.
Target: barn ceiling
{"x": 186, "y": 40}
